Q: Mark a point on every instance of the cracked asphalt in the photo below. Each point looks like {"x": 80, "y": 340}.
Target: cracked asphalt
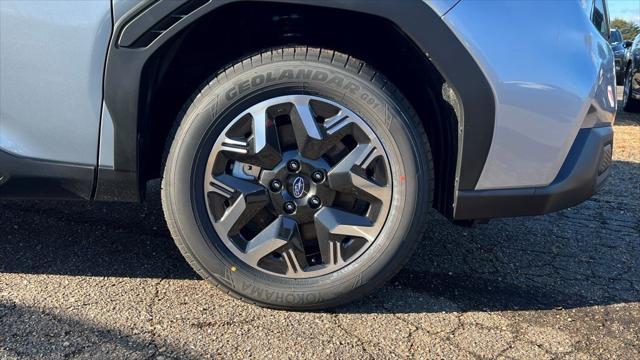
{"x": 83, "y": 280}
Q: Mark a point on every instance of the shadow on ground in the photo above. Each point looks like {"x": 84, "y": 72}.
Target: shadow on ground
{"x": 587, "y": 255}
{"x": 50, "y": 335}
{"x": 625, "y": 118}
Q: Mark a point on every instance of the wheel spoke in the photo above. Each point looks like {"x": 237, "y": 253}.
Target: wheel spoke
{"x": 336, "y": 123}
{"x": 262, "y": 148}
{"x": 333, "y": 225}
{"x": 348, "y": 175}
{"x": 246, "y": 200}
{"x": 340, "y": 158}
{"x": 313, "y": 139}
{"x": 282, "y": 231}
{"x": 266, "y": 242}
{"x": 265, "y": 143}
{"x": 308, "y": 133}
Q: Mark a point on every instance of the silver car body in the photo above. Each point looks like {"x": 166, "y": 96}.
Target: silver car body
{"x": 545, "y": 80}
{"x": 52, "y": 56}
{"x": 549, "y": 79}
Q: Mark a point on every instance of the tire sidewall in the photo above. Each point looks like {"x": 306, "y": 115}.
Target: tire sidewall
{"x": 212, "y": 111}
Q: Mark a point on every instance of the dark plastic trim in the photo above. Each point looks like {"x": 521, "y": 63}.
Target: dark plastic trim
{"x": 23, "y": 178}
{"x": 139, "y": 34}
{"x": 145, "y": 21}
{"x": 417, "y": 20}
{"x": 579, "y": 178}
{"x": 116, "y": 185}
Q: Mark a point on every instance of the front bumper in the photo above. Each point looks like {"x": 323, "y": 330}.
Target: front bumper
{"x": 584, "y": 171}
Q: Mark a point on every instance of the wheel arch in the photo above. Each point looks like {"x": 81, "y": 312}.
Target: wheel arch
{"x": 447, "y": 84}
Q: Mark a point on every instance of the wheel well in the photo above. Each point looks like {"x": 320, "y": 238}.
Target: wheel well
{"x": 233, "y": 31}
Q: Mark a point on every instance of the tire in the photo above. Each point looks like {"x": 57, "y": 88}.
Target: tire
{"x": 324, "y": 79}
{"x": 620, "y": 78}
{"x": 629, "y": 104}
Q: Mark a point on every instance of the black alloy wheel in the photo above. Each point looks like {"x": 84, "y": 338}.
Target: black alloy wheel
{"x": 305, "y": 194}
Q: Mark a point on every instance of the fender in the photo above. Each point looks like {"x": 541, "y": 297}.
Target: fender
{"x": 141, "y": 32}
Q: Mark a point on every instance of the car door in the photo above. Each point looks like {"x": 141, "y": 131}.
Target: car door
{"x": 52, "y": 56}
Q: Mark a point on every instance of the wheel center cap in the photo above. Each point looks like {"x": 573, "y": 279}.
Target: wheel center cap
{"x": 298, "y": 187}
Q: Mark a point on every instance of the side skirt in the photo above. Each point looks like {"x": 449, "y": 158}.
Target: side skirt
{"x": 22, "y": 178}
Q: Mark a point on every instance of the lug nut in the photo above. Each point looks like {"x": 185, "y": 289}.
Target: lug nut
{"x": 289, "y": 207}
{"x": 317, "y": 176}
{"x": 276, "y": 185}
{"x": 314, "y": 202}
{"x": 293, "y": 165}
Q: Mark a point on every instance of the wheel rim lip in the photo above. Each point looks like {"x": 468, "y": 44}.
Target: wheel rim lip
{"x": 313, "y": 270}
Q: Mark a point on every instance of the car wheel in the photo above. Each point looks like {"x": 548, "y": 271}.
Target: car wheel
{"x": 619, "y": 78}
{"x": 298, "y": 178}
{"x": 629, "y": 103}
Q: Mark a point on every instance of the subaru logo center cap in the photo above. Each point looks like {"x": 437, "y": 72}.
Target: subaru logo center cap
{"x": 298, "y": 187}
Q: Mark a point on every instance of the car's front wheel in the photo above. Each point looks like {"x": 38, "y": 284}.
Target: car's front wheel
{"x": 298, "y": 178}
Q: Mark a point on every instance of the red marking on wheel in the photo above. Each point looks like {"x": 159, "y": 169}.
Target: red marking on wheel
{"x": 402, "y": 178}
